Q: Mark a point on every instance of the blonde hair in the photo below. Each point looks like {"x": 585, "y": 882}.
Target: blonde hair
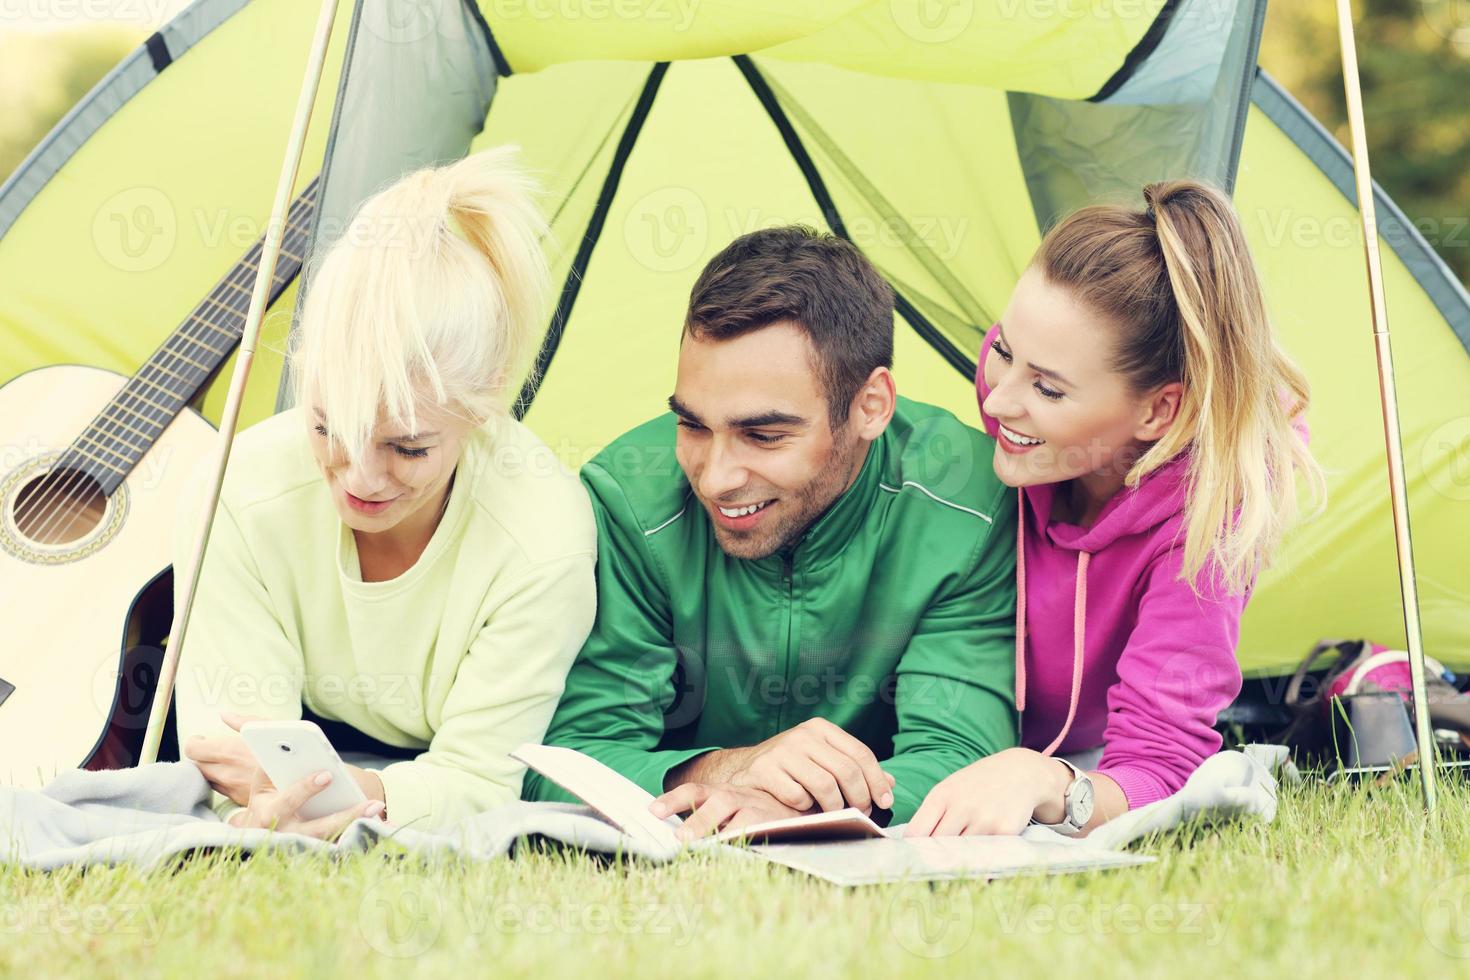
{"x": 1178, "y": 283}
{"x": 436, "y": 289}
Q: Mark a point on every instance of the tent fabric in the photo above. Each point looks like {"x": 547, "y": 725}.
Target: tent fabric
{"x": 1065, "y": 48}
{"x": 942, "y": 139}
{"x": 163, "y": 198}
{"x": 1185, "y": 63}
{"x": 405, "y": 99}
{"x": 1431, "y": 272}
{"x": 124, "y": 81}
{"x": 1162, "y": 121}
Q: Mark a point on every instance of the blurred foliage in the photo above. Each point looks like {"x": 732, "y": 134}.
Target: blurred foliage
{"x": 1414, "y": 62}
{"x": 43, "y": 74}
{"x": 1414, "y": 59}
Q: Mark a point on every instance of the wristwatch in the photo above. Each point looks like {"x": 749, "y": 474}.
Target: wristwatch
{"x": 1077, "y": 803}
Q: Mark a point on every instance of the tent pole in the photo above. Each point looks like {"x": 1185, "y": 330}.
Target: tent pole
{"x": 1388, "y": 396}
{"x": 259, "y": 298}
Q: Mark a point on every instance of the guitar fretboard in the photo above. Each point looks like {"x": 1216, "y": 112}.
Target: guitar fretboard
{"x": 114, "y": 442}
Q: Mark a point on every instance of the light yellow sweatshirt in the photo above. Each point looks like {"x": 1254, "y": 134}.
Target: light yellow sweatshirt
{"x": 464, "y": 655}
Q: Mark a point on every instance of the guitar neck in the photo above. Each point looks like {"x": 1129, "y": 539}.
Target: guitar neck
{"x": 128, "y": 426}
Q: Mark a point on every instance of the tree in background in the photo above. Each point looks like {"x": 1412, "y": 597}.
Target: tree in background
{"x": 1414, "y": 59}
{"x": 42, "y": 75}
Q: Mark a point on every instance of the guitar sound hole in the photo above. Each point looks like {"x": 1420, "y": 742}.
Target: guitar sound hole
{"x": 59, "y": 507}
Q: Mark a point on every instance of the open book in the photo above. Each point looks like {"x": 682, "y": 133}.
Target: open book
{"x": 624, "y": 804}
{"x": 841, "y": 846}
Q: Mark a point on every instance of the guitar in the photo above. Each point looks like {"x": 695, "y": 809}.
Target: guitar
{"x": 92, "y": 467}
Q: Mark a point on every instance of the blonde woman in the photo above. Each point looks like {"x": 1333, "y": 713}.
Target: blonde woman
{"x": 1139, "y": 399}
{"x": 395, "y": 556}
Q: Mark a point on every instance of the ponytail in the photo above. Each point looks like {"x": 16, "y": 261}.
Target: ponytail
{"x": 1178, "y": 281}
{"x": 436, "y": 289}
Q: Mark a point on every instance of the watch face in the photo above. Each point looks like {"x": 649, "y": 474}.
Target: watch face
{"x": 1080, "y": 802}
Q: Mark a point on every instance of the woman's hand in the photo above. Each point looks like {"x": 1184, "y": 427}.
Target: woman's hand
{"x": 279, "y": 810}
{"x": 231, "y": 769}
{"x": 997, "y": 795}
{"x": 225, "y": 760}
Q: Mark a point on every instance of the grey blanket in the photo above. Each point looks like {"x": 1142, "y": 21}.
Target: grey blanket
{"x": 152, "y": 813}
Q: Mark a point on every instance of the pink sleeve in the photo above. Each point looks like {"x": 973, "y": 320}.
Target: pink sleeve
{"x": 981, "y": 389}
{"x": 1177, "y": 673}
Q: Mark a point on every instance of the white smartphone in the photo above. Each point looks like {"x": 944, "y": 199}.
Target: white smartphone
{"x": 289, "y": 751}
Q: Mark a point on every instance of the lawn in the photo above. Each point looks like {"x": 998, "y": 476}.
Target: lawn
{"x": 1346, "y": 881}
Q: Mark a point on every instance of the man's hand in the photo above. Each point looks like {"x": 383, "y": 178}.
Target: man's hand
{"x": 719, "y": 807}
{"x": 815, "y": 764}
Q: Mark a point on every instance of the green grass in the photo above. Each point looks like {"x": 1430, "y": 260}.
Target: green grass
{"x": 1347, "y": 881}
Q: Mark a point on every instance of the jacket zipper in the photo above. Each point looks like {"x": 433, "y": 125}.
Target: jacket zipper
{"x": 786, "y": 575}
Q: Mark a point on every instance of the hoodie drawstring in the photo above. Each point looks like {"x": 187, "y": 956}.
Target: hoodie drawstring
{"x": 1079, "y": 623}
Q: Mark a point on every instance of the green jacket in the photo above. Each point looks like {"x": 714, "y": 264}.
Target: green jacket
{"x": 894, "y": 617}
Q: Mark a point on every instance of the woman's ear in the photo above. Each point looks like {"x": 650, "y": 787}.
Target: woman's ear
{"x": 1159, "y": 410}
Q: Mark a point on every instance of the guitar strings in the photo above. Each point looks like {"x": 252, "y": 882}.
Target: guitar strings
{"x": 110, "y": 429}
{"x": 196, "y": 330}
{"x": 110, "y": 424}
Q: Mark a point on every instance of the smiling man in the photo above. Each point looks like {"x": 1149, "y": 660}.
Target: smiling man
{"x": 816, "y": 607}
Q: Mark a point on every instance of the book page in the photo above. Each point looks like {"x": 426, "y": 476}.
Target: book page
{"x": 848, "y": 823}
{"x": 620, "y": 800}
{"x": 867, "y": 862}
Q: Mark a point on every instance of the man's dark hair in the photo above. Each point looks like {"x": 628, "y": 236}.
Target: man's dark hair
{"x": 821, "y": 283}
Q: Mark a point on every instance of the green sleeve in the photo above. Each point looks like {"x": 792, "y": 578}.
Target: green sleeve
{"x": 613, "y": 706}
{"x": 956, "y": 699}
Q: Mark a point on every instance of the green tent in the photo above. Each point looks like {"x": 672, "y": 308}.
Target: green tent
{"x": 941, "y": 137}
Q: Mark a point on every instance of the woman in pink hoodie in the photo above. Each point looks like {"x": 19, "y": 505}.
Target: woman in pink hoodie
{"x": 1141, "y": 403}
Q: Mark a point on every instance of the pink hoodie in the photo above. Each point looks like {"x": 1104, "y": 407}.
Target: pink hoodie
{"x": 1157, "y": 662}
